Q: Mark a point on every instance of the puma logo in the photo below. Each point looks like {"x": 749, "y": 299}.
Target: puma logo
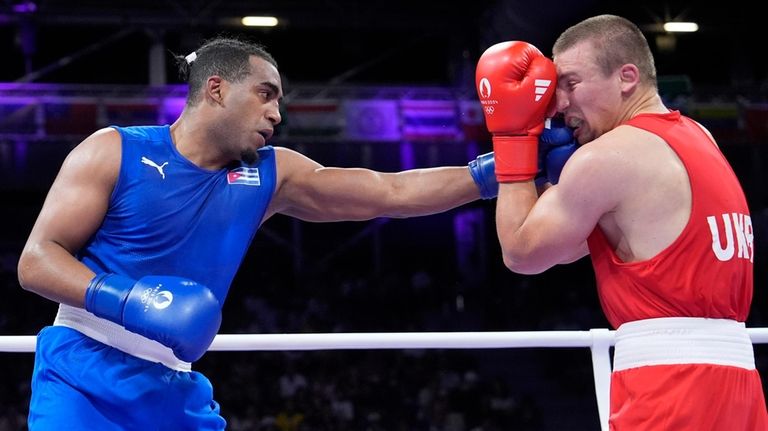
{"x": 159, "y": 168}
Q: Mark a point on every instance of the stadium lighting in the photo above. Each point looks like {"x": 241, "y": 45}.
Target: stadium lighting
{"x": 259, "y": 21}
{"x": 681, "y": 27}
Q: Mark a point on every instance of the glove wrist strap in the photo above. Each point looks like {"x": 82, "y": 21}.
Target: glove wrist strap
{"x": 105, "y": 296}
{"x": 516, "y": 157}
{"x": 483, "y": 173}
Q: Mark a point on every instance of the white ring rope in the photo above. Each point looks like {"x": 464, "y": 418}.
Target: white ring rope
{"x": 405, "y": 340}
{"x": 598, "y": 340}
{"x": 390, "y": 340}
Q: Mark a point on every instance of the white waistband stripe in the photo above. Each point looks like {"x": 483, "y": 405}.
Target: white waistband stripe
{"x": 118, "y": 337}
{"x": 679, "y": 340}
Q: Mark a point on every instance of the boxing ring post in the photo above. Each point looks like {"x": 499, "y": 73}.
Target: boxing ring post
{"x": 602, "y": 340}
{"x": 598, "y": 340}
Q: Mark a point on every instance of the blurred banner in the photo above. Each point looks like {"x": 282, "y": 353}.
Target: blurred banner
{"x": 430, "y": 120}
{"x": 375, "y": 114}
{"x": 320, "y": 118}
{"x": 720, "y": 118}
{"x": 472, "y": 121}
{"x": 124, "y": 113}
{"x": 17, "y": 117}
{"x": 78, "y": 119}
{"x": 371, "y": 120}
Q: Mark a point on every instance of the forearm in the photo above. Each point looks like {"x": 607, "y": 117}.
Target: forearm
{"x": 52, "y": 272}
{"x": 513, "y": 206}
{"x": 428, "y": 191}
{"x": 346, "y": 194}
{"x": 185, "y": 317}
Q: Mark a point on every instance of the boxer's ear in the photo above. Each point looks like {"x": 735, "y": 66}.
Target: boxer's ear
{"x": 215, "y": 89}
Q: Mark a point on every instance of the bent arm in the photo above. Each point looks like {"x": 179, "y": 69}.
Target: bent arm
{"x": 536, "y": 234}
{"x": 72, "y": 212}
{"x": 311, "y": 192}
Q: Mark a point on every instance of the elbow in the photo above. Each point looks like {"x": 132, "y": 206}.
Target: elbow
{"x": 25, "y": 270}
{"x": 522, "y": 263}
{"x": 524, "y": 255}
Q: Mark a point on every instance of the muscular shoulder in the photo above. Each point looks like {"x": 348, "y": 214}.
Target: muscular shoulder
{"x": 293, "y": 170}
{"x": 620, "y": 151}
{"x": 285, "y": 155}
{"x": 602, "y": 172}
{"x": 596, "y": 161}
{"x": 291, "y": 163}
{"x": 620, "y": 141}
{"x": 104, "y": 143}
{"x": 97, "y": 156}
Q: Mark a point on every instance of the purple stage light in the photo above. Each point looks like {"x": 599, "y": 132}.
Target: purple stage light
{"x": 25, "y": 7}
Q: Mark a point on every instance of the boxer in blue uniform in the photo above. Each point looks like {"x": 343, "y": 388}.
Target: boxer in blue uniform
{"x": 144, "y": 228}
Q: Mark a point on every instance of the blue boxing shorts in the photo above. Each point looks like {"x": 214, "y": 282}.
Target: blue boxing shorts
{"x": 81, "y": 384}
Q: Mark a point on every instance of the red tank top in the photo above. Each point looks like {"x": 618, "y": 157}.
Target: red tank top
{"x": 707, "y": 271}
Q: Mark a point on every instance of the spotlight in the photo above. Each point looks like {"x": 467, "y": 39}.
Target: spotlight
{"x": 681, "y": 27}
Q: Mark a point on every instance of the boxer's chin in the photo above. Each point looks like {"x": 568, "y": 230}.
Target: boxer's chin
{"x": 249, "y": 156}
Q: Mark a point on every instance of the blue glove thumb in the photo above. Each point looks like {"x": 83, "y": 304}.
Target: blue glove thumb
{"x": 556, "y": 159}
{"x": 555, "y": 133}
{"x": 556, "y": 144}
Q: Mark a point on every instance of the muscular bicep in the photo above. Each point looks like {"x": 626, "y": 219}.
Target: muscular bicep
{"x": 78, "y": 199}
{"x": 312, "y": 192}
{"x": 557, "y": 227}
{"x": 71, "y": 214}
{"x": 561, "y": 228}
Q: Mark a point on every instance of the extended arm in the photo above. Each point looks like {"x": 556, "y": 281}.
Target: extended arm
{"x": 312, "y": 192}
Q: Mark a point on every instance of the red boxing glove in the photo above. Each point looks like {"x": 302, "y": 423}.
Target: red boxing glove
{"x": 515, "y": 84}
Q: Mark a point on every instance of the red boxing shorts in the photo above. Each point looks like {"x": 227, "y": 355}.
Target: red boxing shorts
{"x": 686, "y": 374}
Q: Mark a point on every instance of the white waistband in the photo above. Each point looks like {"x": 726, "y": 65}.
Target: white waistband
{"x": 683, "y": 340}
{"x": 118, "y": 337}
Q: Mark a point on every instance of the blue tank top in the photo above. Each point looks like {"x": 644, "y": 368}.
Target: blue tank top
{"x": 167, "y": 216}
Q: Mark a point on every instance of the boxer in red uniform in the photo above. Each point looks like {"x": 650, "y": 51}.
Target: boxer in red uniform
{"x": 650, "y": 196}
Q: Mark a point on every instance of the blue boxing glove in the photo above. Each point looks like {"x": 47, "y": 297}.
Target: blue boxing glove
{"x": 483, "y": 171}
{"x": 176, "y": 312}
{"x": 556, "y": 144}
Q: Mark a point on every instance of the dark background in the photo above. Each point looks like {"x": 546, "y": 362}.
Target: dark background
{"x": 383, "y": 275}
{"x": 394, "y": 41}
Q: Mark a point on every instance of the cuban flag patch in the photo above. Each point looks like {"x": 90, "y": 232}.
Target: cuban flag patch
{"x": 244, "y": 175}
